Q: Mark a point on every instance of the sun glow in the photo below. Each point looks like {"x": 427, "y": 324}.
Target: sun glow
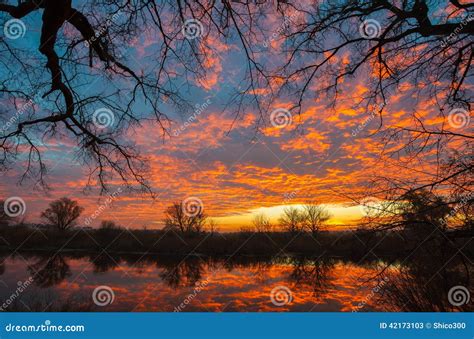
{"x": 341, "y": 215}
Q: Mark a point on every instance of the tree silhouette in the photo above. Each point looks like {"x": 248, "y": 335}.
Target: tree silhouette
{"x": 314, "y": 217}
{"x": 421, "y": 284}
{"x": 50, "y": 271}
{"x": 104, "y": 262}
{"x": 109, "y": 225}
{"x": 315, "y": 273}
{"x": 185, "y": 272}
{"x": 292, "y": 220}
{"x": 62, "y": 213}
{"x": 261, "y": 223}
{"x": 178, "y": 219}
{"x": 424, "y": 209}
{"x": 398, "y": 42}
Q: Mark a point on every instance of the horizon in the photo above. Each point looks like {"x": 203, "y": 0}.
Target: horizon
{"x": 341, "y": 217}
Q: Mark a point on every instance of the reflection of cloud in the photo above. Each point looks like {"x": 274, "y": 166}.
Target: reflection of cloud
{"x": 150, "y": 286}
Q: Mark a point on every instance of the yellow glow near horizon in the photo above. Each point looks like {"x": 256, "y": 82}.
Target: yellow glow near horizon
{"x": 341, "y": 214}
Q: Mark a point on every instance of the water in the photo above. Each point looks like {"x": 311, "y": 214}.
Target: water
{"x": 63, "y": 282}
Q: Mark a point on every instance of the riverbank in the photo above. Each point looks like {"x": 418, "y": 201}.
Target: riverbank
{"x": 346, "y": 244}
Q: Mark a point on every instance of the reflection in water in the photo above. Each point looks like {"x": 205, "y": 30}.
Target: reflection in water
{"x": 184, "y": 273}
{"x": 50, "y": 271}
{"x": 423, "y": 286}
{"x": 238, "y": 284}
{"x": 312, "y": 273}
{"x": 104, "y": 262}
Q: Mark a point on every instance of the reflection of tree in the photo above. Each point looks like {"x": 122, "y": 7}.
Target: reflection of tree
{"x": 104, "y": 262}
{"x": 261, "y": 270}
{"x": 260, "y": 266}
{"x": 422, "y": 284}
{"x": 50, "y": 271}
{"x": 432, "y": 240}
{"x": 313, "y": 273}
{"x": 186, "y": 272}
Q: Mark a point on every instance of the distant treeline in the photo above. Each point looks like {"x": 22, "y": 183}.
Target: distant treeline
{"x": 117, "y": 240}
{"x": 389, "y": 229}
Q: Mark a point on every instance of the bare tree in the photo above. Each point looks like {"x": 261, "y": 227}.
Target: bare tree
{"x": 398, "y": 41}
{"x": 314, "y": 217}
{"x": 392, "y": 44}
{"x": 62, "y": 213}
{"x": 261, "y": 223}
{"x": 389, "y": 43}
{"x": 178, "y": 219}
{"x": 423, "y": 211}
{"x": 212, "y": 226}
{"x": 465, "y": 216}
{"x": 109, "y": 225}
{"x": 291, "y": 220}
{"x": 58, "y": 74}
{"x": 246, "y": 229}
{"x": 50, "y": 271}
{"x": 418, "y": 212}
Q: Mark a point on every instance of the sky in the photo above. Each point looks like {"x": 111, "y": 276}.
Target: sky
{"x": 325, "y": 155}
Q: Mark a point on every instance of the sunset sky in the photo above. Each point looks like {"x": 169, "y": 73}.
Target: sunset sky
{"x": 236, "y": 165}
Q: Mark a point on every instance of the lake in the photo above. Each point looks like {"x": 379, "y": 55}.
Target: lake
{"x": 66, "y": 282}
